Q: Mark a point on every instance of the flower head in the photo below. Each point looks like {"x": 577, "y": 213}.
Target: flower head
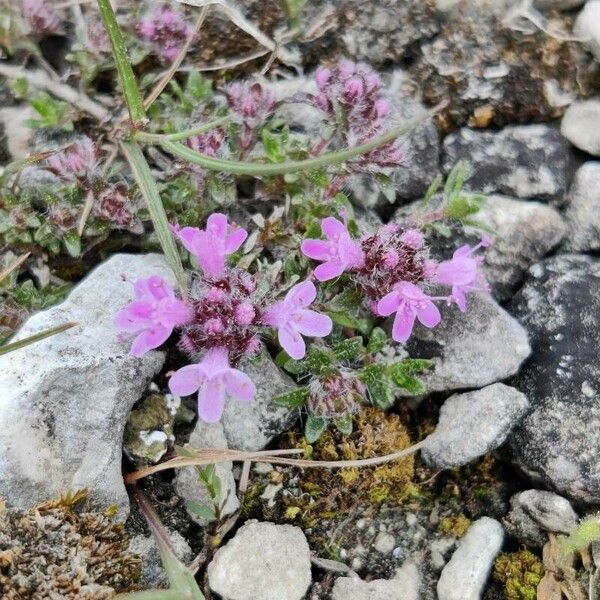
{"x": 212, "y": 245}
{"x": 339, "y": 252}
{"x": 250, "y": 102}
{"x": 214, "y": 379}
{"x": 77, "y": 161}
{"x": 409, "y": 302}
{"x": 293, "y": 319}
{"x": 113, "y": 204}
{"x": 166, "y": 30}
{"x": 152, "y": 315}
{"x": 41, "y": 17}
{"x": 463, "y": 273}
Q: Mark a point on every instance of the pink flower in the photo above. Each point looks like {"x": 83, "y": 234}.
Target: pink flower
{"x": 293, "y": 319}
{"x": 153, "y": 314}
{"x": 167, "y": 30}
{"x": 339, "y": 253}
{"x": 212, "y": 245}
{"x": 409, "y": 302}
{"x": 213, "y": 378}
{"x": 463, "y": 273}
{"x": 78, "y": 160}
{"x": 41, "y": 17}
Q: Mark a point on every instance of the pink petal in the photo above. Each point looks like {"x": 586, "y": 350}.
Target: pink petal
{"x": 459, "y": 297}
{"x": 329, "y": 270}
{"x": 429, "y": 315}
{"x": 150, "y": 339}
{"x": 235, "y": 239}
{"x": 315, "y": 249}
{"x": 186, "y": 380}
{"x": 239, "y": 385}
{"x": 388, "y": 304}
{"x": 462, "y": 251}
{"x": 134, "y": 317}
{"x": 217, "y": 223}
{"x": 175, "y": 312}
{"x": 190, "y": 238}
{"x": 291, "y": 341}
{"x": 331, "y": 227}
{"x": 211, "y": 400}
{"x": 155, "y": 287}
{"x": 216, "y": 360}
{"x": 310, "y": 322}
{"x": 276, "y": 315}
{"x": 403, "y": 325}
{"x": 302, "y": 294}
{"x": 210, "y": 252}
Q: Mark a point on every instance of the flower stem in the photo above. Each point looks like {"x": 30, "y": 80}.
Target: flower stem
{"x": 267, "y": 169}
{"x": 131, "y": 92}
{"x": 158, "y": 138}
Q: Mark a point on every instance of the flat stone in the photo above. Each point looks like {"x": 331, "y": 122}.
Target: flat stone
{"x": 473, "y": 424}
{"x": 523, "y": 161}
{"x": 558, "y": 443}
{"x": 263, "y": 561}
{"x": 472, "y": 349}
{"x": 583, "y": 210}
{"x": 534, "y": 513}
{"x": 581, "y": 125}
{"x": 466, "y": 573}
{"x": 188, "y": 484}
{"x": 587, "y": 26}
{"x": 68, "y": 397}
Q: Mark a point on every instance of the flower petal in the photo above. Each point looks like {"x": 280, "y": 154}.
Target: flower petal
{"x": 150, "y": 339}
{"x": 217, "y": 224}
{"x": 310, "y": 322}
{"x": 235, "y": 239}
{"x": 190, "y": 238}
{"x": 276, "y": 315}
{"x": 134, "y": 317}
{"x": 458, "y": 295}
{"x": 211, "y": 400}
{"x": 329, "y": 270}
{"x": 239, "y": 385}
{"x": 291, "y": 341}
{"x": 186, "y": 380}
{"x": 331, "y": 227}
{"x": 216, "y": 360}
{"x": 302, "y": 294}
{"x": 429, "y": 315}
{"x": 388, "y": 304}
{"x": 315, "y": 249}
{"x": 175, "y": 312}
{"x": 403, "y": 325}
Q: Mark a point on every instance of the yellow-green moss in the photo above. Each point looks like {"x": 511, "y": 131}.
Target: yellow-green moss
{"x": 520, "y": 573}
{"x": 455, "y": 525}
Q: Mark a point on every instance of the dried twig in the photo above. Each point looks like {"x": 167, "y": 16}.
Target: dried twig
{"x": 14, "y": 266}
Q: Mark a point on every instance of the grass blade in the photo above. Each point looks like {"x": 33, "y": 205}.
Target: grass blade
{"x": 147, "y": 185}
{"x": 11, "y": 268}
{"x": 35, "y": 338}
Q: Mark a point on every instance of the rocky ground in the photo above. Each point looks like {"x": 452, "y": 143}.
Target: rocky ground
{"x": 511, "y": 412}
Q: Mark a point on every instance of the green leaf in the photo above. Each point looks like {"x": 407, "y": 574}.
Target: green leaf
{"x": 203, "y": 511}
{"x": 318, "y": 360}
{"x": 348, "y": 349}
{"x": 410, "y": 366}
{"x": 315, "y": 426}
{"x": 375, "y": 377}
{"x": 410, "y": 384}
{"x": 293, "y": 399}
{"x": 377, "y": 340}
{"x": 386, "y": 186}
{"x": 344, "y": 425}
{"x": 432, "y": 189}
{"x": 72, "y": 243}
{"x": 345, "y": 319}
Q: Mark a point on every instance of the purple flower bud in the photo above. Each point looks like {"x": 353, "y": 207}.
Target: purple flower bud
{"x": 322, "y": 77}
{"x": 413, "y": 238}
{"x": 353, "y": 89}
{"x": 382, "y": 108}
{"x": 213, "y": 326}
{"x": 41, "y": 17}
{"x": 244, "y": 313}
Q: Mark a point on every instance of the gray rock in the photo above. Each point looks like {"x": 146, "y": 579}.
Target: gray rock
{"x": 253, "y": 425}
{"x": 473, "y": 424}
{"x": 523, "y": 161}
{"x": 465, "y": 575}
{"x": 67, "y": 397}
{"x": 587, "y": 26}
{"x": 153, "y": 574}
{"x": 535, "y": 512}
{"x": 581, "y": 125}
{"x": 583, "y": 211}
{"x": 557, "y": 4}
{"x": 472, "y": 349}
{"x": 404, "y": 586}
{"x": 188, "y": 484}
{"x": 558, "y": 442}
{"x": 263, "y": 561}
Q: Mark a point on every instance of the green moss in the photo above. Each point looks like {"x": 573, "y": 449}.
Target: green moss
{"x": 520, "y": 573}
{"x": 583, "y": 535}
{"x": 455, "y": 525}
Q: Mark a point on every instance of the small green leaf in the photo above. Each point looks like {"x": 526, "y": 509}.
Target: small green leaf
{"x": 410, "y": 384}
{"x": 72, "y": 243}
{"x": 348, "y": 349}
{"x": 432, "y": 189}
{"x": 203, "y": 511}
{"x": 344, "y": 425}
{"x": 315, "y": 426}
{"x": 293, "y": 399}
{"x": 386, "y": 186}
{"x": 377, "y": 340}
{"x": 318, "y": 360}
{"x": 345, "y": 319}
{"x": 410, "y": 366}
{"x": 374, "y": 376}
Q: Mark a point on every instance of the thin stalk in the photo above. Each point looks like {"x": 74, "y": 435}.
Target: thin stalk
{"x": 141, "y": 172}
{"x": 259, "y": 169}
{"x": 157, "y": 138}
{"x": 35, "y": 338}
{"x": 131, "y": 92}
{"x": 11, "y": 268}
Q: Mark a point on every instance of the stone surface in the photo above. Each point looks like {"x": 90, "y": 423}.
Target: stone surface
{"x": 67, "y": 397}
{"x": 581, "y": 125}
{"x": 465, "y": 575}
{"x": 524, "y": 161}
{"x": 187, "y": 482}
{"x": 533, "y": 513}
{"x": 472, "y": 349}
{"x": 263, "y": 561}
{"x": 153, "y": 574}
{"x": 558, "y": 442}
{"x": 587, "y": 26}
{"x": 404, "y": 586}
{"x": 472, "y": 424}
{"x": 253, "y": 425}
{"x": 583, "y": 210}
